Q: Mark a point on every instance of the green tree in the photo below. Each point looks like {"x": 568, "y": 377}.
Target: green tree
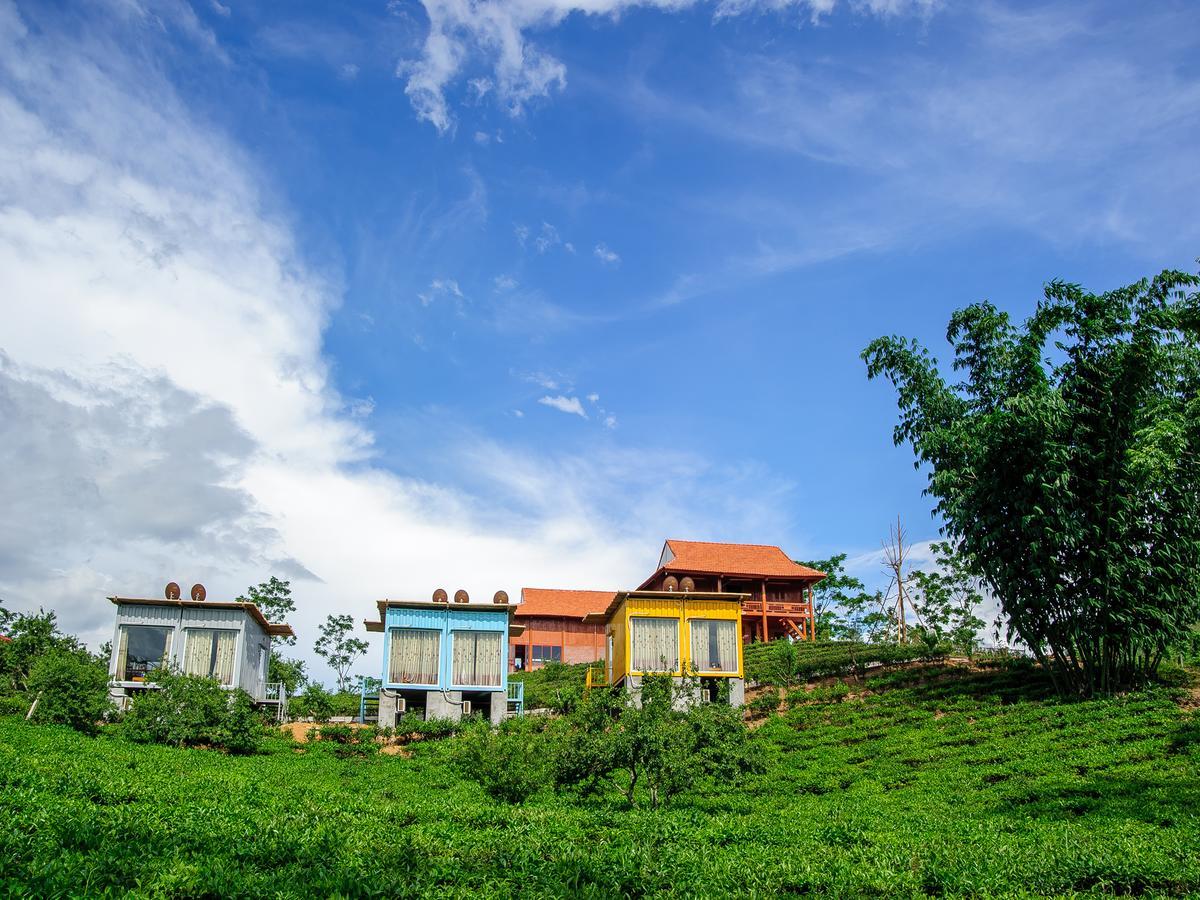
{"x": 946, "y": 599}
{"x": 1068, "y": 476}
{"x": 839, "y": 600}
{"x": 71, "y": 688}
{"x": 31, "y": 636}
{"x": 274, "y": 598}
{"x": 288, "y": 672}
{"x": 338, "y": 648}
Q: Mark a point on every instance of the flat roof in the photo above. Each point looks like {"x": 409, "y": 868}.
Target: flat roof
{"x": 277, "y": 629}
{"x": 376, "y": 626}
{"x": 622, "y": 596}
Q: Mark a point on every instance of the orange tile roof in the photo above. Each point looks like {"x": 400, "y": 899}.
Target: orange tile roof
{"x": 757, "y": 560}
{"x": 566, "y": 603}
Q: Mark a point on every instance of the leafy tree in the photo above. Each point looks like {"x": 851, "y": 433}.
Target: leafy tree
{"x": 289, "y": 672}
{"x": 31, "y": 636}
{"x": 1068, "y": 477}
{"x": 338, "y": 648}
{"x": 274, "y": 599}
{"x": 314, "y": 701}
{"x": 839, "y": 600}
{"x": 70, "y": 688}
{"x": 945, "y": 601}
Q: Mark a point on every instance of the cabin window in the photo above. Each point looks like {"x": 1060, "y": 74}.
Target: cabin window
{"x": 414, "y": 656}
{"x": 141, "y": 649}
{"x": 655, "y": 644}
{"x": 543, "y": 654}
{"x": 714, "y": 645}
{"x": 478, "y": 657}
{"x": 211, "y": 653}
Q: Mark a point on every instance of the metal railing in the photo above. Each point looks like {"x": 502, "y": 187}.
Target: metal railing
{"x": 597, "y": 676}
{"x": 516, "y": 697}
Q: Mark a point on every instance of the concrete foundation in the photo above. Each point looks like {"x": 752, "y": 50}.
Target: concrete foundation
{"x": 443, "y": 705}
{"x": 387, "y": 709}
{"x": 685, "y": 699}
{"x": 499, "y": 707}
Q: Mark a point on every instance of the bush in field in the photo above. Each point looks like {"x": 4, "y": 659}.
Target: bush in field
{"x": 512, "y": 763}
{"x": 783, "y": 662}
{"x": 71, "y": 688}
{"x": 650, "y": 747}
{"x": 314, "y": 701}
{"x": 188, "y": 711}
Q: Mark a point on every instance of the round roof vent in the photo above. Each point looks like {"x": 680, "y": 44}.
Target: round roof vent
{"x": 461, "y": 596}
{"x": 500, "y": 598}
{"x": 171, "y": 592}
{"x": 687, "y": 585}
{"x": 670, "y": 583}
{"x": 198, "y": 592}
{"x": 440, "y": 596}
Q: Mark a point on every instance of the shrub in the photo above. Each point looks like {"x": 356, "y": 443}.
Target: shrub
{"x": 188, "y": 711}
{"x": 764, "y": 704}
{"x": 556, "y": 686}
{"x": 71, "y": 689}
{"x": 314, "y": 701}
{"x": 512, "y": 763}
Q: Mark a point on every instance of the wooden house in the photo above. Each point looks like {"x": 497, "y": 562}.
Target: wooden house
{"x": 555, "y": 629}
{"x": 444, "y": 660}
{"x": 779, "y": 590}
{"x": 679, "y": 633}
{"x": 225, "y": 640}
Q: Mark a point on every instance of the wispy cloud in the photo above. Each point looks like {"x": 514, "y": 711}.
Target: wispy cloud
{"x": 606, "y": 256}
{"x": 463, "y": 33}
{"x": 565, "y": 404}
{"x": 438, "y": 288}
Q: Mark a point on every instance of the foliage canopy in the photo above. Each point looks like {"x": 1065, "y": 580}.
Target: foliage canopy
{"x": 1066, "y": 470}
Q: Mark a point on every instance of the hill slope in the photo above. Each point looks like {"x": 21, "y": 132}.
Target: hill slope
{"x": 964, "y": 783}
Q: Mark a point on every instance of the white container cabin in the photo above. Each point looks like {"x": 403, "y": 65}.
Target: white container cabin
{"x": 225, "y": 640}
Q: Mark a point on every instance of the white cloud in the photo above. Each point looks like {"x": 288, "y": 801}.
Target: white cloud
{"x": 482, "y": 138}
{"x": 464, "y": 33}
{"x": 504, "y": 283}
{"x": 610, "y": 421}
{"x": 593, "y": 398}
{"x": 606, "y": 256}
{"x": 440, "y": 287}
{"x": 565, "y": 404}
{"x": 547, "y": 239}
{"x": 518, "y": 413}
{"x": 348, "y": 71}
{"x": 219, "y": 8}
{"x": 169, "y": 407}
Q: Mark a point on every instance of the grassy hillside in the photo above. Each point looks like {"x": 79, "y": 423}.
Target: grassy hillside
{"x": 938, "y": 782}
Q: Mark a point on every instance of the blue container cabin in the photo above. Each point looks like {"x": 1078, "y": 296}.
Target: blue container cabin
{"x": 444, "y": 660}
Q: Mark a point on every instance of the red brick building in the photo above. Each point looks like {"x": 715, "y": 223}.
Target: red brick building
{"x": 554, "y": 627}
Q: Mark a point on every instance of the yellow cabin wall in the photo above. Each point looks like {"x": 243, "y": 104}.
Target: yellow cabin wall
{"x": 670, "y": 608}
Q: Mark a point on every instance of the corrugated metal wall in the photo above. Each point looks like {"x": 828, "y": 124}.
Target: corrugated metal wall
{"x": 447, "y": 619}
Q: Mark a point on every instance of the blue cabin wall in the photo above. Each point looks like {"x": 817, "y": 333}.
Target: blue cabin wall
{"x": 446, "y": 619}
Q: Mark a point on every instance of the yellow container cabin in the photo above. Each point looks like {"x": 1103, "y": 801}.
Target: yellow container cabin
{"x": 678, "y": 633}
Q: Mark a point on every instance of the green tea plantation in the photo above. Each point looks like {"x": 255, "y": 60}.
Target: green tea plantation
{"x": 928, "y": 780}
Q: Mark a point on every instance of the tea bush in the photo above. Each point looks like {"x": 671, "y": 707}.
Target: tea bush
{"x": 976, "y": 784}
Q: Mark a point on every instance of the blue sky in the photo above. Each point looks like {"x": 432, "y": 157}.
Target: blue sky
{"x": 391, "y": 296}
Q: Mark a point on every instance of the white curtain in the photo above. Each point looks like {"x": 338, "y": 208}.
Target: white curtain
{"x": 224, "y": 663}
{"x": 414, "y": 656}
{"x": 655, "y": 644}
{"x": 714, "y": 645}
{"x": 210, "y": 653}
{"x": 122, "y": 653}
{"x": 478, "y": 658}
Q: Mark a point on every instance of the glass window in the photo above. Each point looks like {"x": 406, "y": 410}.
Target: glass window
{"x": 141, "y": 650}
{"x": 655, "y": 644}
{"x": 478, "y": 658}
{"x": 545, "y": 654}
{"x": 714, "y": 645}
{"x": 414, "y": 656}
{"x": 211, "y": 653}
